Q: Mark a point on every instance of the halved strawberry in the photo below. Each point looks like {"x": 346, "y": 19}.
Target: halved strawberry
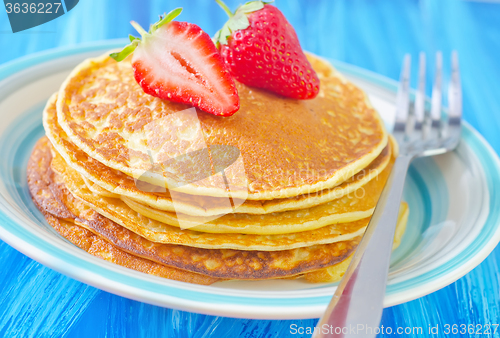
{"x": 261, "y": 49}
{"x": 177, "y": 61}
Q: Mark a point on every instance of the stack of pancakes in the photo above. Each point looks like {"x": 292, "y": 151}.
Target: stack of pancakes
{"x": 282, "y": 189}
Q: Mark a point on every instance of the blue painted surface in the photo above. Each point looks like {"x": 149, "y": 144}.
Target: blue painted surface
{"x": 36, "y": 301}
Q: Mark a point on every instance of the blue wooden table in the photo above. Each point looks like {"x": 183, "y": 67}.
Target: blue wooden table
{"x": 36, "y": 301}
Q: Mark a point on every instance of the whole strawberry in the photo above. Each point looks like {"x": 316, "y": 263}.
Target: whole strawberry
{"x": 261, "y": 49}
{"x": 177, "y": 61}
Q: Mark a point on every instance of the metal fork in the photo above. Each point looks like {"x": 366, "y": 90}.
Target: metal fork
{"x": 356, "y": 307}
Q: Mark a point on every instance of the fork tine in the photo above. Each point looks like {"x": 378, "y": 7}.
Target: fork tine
{"x": 437, "y": 97}
{"x": 403, "y": 98}
{"x": 454, "y": 93}
{"x": 420, "y": 96}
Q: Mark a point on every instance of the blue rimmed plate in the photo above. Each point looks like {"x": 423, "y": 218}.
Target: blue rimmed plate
{"x": 453, "y": 223}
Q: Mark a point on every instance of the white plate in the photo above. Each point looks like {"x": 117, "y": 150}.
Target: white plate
{"x": 453, "y": 223}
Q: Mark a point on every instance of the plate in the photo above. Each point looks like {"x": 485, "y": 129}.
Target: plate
{"x": 453, "y": 225}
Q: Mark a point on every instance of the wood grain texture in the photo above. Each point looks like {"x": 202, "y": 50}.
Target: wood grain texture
{"x": 36, "y": 301}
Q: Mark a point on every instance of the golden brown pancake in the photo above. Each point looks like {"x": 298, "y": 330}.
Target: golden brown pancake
{"x": 355, "y": 206}
{"x": 335, "y": 272}
{"x": 218, "y": 263}
{"x": 38, "y": 171}
{"x": 288, "y": 147}
{"x": 342, "y": 210}
{"x": 349, "y": 208}
{"x": 226, "y": 264}
{"x": 155, "y": 231}
{"x": 97, "y": 189}
{"x": 99, "y": 247}
{"x": 46, "y": 196}
{"x": 114, "y": 182}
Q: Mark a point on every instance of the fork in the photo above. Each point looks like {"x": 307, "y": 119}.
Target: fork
{"x": 356, "y": 307}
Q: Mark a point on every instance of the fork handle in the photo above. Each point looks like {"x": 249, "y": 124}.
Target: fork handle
{"x": 356, "y": 307}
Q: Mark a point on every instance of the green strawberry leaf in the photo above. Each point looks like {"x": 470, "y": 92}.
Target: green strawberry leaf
{"x": 134, "y": 41}
{"x": 129, "y": 49}
{"x": 225, "y": 32}
{"x": 168, "y": 17}
{"x": 250, "y": 7}
{"x": 139, "y": 29}
{"x": 237, "y": 21}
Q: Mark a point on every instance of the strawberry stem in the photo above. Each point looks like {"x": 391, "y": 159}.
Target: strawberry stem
{"x": 138, "y": 28}
{"x": 225, "y": 8}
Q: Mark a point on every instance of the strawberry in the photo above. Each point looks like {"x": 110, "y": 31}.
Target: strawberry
{"x": 177, "y": 61}
{"x": 261, "y": 49}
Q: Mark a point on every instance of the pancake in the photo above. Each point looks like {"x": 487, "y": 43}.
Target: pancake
{"x": 351, "y": 207}
{"x": 347, "y": 209}
{"x": 179, "y": 260}
{"x": 221, "y": 263}
{"x": 46, "y": 197}
{"x": 96, "y": 189}
{"x": 287, "y": 147}
{"x": 335, "y": 272}
{"x": 38, "y": 171}
{"x": 155, "y": 231}
{"x": 99, "y": 247}
{"x": 217, "y": 263}
{"x": 111, "y": 183}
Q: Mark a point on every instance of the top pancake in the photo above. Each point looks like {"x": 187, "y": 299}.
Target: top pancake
{"x": 288, "y": 147}
{"x": 109, "y": 182}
